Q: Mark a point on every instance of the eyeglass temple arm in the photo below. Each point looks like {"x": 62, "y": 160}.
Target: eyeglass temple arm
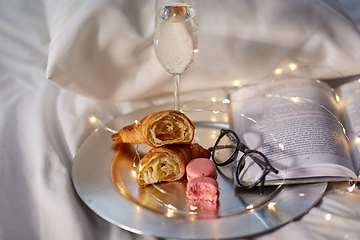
{"x": 265, "y": 165}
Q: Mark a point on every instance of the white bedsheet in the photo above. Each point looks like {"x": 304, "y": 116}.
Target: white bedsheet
{"x": 42, "y": 124}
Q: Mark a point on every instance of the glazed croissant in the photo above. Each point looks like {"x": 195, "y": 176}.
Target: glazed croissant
{"x": 167, "y": 163}
{"x": 158, "y": 129}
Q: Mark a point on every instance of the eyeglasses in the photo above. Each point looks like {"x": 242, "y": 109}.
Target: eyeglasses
{"x": 251, "y": 168}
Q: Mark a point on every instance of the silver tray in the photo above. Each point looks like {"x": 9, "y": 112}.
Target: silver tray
{"x": 102, "y": 176}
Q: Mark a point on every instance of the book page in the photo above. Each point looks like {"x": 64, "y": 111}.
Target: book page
{"x": 295, "y": 123}
{"x": 349, "y": 94}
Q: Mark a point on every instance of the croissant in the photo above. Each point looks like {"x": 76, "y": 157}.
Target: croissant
{"x": 167, "y": 163}
{"x": 158, "y": 129}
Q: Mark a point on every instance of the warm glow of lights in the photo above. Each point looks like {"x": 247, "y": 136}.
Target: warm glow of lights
{"x": 351, "y": 189}
{"x": 337, "y": 98}
{"x": 357, "y": 140}
{"x": 193, "y": 208}
{"x": 226, "y": 101}
{"x": 295, "y": 99}
{"x": 170, "y": 212}
{"x": 92, "y": 119}
{"x": 292, "y": 66}
{"x": 236, "y": 83}
{"x": 301, "y": 194}
{"x": 278, "y": 71}
{"x": 271, "y": 206}
{"x": 282, "y": 147}
{"x": 213, "y": 99}
{"x": 214, "y": 134}
{"x": 328, "y": 217}
{"x": 359, "y": 80}
{"x": 133, "y": 173}
{"x": 216, "y": 112}
{"x": 250, "y": 207}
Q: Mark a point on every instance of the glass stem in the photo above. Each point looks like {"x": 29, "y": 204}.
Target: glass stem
{"x": 177, "y": 91}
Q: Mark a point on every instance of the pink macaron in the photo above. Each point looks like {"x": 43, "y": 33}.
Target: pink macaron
{"x": 201, "y": 167}
{"x": 202, "y": 189}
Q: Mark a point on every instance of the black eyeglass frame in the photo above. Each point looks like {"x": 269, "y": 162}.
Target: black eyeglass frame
{"x": 264, "y": 165}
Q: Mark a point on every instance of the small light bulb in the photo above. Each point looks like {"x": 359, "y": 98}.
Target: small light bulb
{"x": 170, "y": 212}
{"x": 236, "y": 83}
{"x": 226, "y": 101}
{"x": 295, "y": 99}
{"x": 337, "y": 98}
{"x": 213, "y": 99}
{"x": 292, "y": 66}
{"x": 271, "y": 206}
{"x": 282, "y": 147}
{"x": 278, "y": 71}
{"x": 328, "y": 217}
{"x": 250, "y": 206}
{"x": 193, "y": 208}
{"x": 92, "y": 119}
{"x": 351, "y": 189}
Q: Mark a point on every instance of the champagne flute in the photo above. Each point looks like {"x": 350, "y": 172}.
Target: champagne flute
{"x": 176, "y": 38}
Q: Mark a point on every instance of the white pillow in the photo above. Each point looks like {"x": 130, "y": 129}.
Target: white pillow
{"x": 103, "y": 49}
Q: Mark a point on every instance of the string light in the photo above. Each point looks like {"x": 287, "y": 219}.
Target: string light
{"x": 271, "y": 206}
{"x": 337, "y": 98}
{"x": 250, "y": 207}
{"x": 226, "y": 101}
{"x": 92, "y": 119}
{"x": 292, "y": 66}
{"x": 351, "y": 189}
{"x": 193, "y": 208}
{"x": 282, "y": 147}
{"x": 295, "y": 99}
{"x": 170, "y": 212}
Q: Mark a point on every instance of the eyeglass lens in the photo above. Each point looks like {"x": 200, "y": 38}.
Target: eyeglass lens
{"x": 250, "y": 171}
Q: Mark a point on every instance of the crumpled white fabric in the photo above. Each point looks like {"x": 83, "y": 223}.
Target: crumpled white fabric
{"x": 103, "y": 49}
{"x": 42, "y": 125}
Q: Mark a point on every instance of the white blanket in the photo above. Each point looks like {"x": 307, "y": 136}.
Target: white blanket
{"x": 103, "y": 49}
{"x": 97, "y": 52}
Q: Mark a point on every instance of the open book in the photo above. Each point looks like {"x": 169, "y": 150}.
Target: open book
{"x": 307, "y": 130}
